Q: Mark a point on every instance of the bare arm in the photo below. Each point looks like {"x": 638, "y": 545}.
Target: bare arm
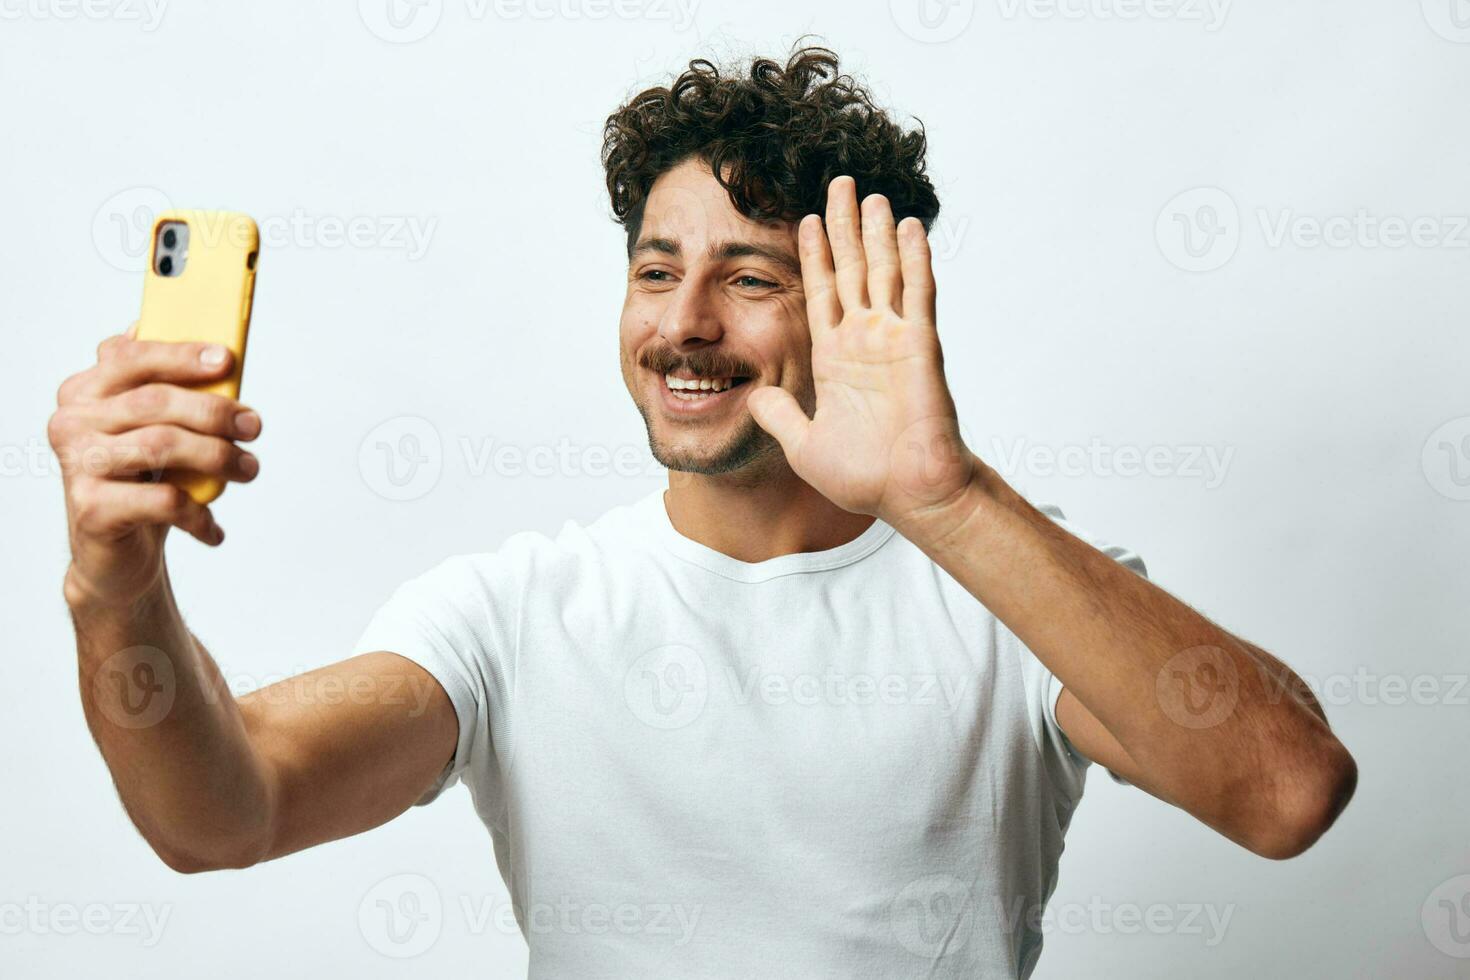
{"x": 209, "y": 780}
{"x": 214, "y": 782}
{"x": 1153, "y": 690}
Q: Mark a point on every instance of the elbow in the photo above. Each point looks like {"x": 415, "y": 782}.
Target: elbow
{"x": 242, "y": 836}
{"x": 183, "y": 862}
{"x": 189, "y": 862}
{"x": 1304, "y": 805}
{"x": 216, "y": 853}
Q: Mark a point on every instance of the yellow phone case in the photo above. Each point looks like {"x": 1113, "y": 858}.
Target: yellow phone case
{"x": 208, "y": 301}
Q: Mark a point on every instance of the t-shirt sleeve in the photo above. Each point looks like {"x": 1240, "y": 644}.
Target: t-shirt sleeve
{"x": 446, "y": 621}
{"x": 1061, "y": 755}
{"x": 1065, "y": 767}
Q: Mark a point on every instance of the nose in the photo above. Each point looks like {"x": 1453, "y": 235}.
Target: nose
{"x": 692, "y": 317}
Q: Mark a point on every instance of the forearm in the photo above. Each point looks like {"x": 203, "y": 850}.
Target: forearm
{"x": 1110, "y": 635}
{"x": 172, "y": 734}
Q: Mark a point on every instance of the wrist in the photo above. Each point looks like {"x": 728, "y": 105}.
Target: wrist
{"x": 89, "y": 604}
{"x": 960, "y": 514}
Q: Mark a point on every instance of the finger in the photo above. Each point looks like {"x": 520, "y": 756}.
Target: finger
{"x": 155, "y": 448}
{"x": 917, "y": 266}
{"x": 158, "y": 403}
{"x": 125, "y": 364}
{"x": 132, "y": 332}
{"x": 109, "y": 344}
{"x": 885, "y": 281}
{"x": 823, "y": 310}
{"x": 108, "y": 508}
{"x": 776, "y": 411}
{"x": 847, "y": 244}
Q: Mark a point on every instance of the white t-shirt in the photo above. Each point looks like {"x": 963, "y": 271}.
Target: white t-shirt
{"x": 830, "y": 764}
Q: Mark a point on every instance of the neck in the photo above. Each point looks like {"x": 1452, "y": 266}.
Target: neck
{"x": 756, "y": 519}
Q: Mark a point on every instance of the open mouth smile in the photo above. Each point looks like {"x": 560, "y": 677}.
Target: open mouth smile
{"x": 688, "y": 394}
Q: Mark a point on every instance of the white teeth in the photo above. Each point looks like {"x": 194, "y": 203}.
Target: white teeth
{"x": 698, "y": 384}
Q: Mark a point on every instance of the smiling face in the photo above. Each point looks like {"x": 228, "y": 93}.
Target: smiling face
{"x": 714, "y": 308}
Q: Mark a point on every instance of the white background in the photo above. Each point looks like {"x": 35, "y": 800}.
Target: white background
{"x": 1060, "y": 141}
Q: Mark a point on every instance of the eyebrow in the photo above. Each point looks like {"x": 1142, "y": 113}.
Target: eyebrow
{"x": 721, "y": 251}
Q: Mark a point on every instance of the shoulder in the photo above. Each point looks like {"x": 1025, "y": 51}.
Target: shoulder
{"x": 576, "y": 549}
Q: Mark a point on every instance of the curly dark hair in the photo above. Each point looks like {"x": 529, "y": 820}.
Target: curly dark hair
{"x": 773, "y": 135}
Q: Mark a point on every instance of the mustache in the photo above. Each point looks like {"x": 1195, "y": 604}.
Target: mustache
{"x": 700, "y": 363}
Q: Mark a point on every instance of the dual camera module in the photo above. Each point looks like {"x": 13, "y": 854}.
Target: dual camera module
{"x": 171, "y": 250}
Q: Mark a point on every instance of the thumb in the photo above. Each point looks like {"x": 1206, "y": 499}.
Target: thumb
{"x": 776, "y": 411}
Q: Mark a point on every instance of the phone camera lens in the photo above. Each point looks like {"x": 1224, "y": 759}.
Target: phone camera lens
{"x": 170, "y": 238}
{"x": 166, "y": 264}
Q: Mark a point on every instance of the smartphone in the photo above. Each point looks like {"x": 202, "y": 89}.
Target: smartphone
{"x": 199, "y": 285}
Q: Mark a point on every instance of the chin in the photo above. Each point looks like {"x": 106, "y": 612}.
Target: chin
{"x": 716, "y": 453}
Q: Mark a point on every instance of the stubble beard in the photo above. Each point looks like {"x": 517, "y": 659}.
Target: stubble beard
{"x": 749, "y": 447}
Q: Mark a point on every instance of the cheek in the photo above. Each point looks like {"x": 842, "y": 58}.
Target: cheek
{"x": 782, "y": 342}
{"x": 636, "y": 327}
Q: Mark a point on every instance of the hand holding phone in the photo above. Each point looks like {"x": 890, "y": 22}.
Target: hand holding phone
{"x": 162, "y": 405}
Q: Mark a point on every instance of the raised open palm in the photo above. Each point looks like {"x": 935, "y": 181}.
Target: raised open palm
{"x": 884, "y": 439}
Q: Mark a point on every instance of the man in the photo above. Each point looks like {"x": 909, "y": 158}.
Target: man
{"x": 822, "y": 708}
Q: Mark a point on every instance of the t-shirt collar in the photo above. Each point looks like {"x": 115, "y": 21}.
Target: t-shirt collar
{"x": 689, "y": 550}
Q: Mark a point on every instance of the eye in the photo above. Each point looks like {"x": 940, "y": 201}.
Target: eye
{"x": 655, "y": 275}
{"x": 754, "y": 281}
